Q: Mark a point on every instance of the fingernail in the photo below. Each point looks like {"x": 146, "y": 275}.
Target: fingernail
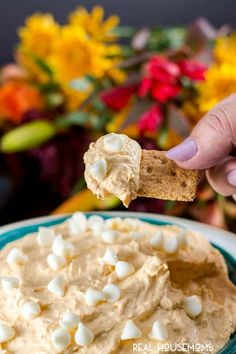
{"x": 231, "y": 177}
{"x": 184, "y": 151}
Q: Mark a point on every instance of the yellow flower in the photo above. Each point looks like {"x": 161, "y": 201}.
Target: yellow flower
{"x": 225, "y": 49}
{"x": 37, "y": 41}
{"x": 76, "y": 55}
{"x": 220, "y": 82}
{"x": 93, "y": 23}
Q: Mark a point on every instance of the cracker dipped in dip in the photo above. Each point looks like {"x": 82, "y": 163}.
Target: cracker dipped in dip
{"x": 91, "y": 285}
{"x": 115, "y": 164}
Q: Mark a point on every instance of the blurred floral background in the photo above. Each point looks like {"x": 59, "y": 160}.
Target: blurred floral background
{"x": 71, "y": 83}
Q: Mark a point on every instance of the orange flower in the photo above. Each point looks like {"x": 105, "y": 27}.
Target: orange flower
{"x": 17, "y": 98}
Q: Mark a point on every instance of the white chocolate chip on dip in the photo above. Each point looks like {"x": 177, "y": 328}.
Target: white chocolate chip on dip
{"x": 31, "y": 310}
{"x": 124, "y": 269}
{"x": 170, "y": 244}
{"x": 159, "y": 331}
{"x": 110, "y": 257}
{"x": 55, "y": 262}
{"x": 77, "y": 223}
{"x": 113, "y": 142}
{"x": 110, "y": 236}
{"x": 157, "y": 240}
{"x": 193, "y": 305}
{"x": 83, "y": 336}
{"x": 16, "y": 258}
{"x": 57, "y": 286}
{"x": 45, "y": 236}
{"x": 63, "y": 248}
{"x": 94, "y": 220}
{"x": 10, "y": 283}
{"x": 7, "y": 333}
{"x": 130, "y": 331}
{"x": 60, "y": 339}
{"x": 112, "y": 292}
{"x": 99, "y": 169}
{"x": 70, "y": 321}
{"x": 94, "y": 297}
{"x": 113, "y": 173}
{"x": 137, "y": 235}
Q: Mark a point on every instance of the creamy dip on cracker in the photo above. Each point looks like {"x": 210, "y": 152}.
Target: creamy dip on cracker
{"x": 100, "y": 286}
{"x": 113, "y": 167}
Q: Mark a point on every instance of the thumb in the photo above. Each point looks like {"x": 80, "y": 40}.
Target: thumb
{"x": 211, "y": 140}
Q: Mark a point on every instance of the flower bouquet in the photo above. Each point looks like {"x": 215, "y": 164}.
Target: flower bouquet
{"x": 71, "y": 83}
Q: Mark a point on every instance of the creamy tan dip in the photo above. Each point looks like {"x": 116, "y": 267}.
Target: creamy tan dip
{"x": 112, "y": 167}
{"x": 165, "y": 276}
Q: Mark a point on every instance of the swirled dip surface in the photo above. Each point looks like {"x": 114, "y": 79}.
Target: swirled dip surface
{"x": 122, "y": 167}
{"x": 160, "y": 276}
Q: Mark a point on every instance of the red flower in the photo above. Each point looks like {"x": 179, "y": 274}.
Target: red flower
{"x": 144, "y": 87}
{"x": 162, "y": 69}
{"x": 151, "y": 120}
{"x": 193, "y": 69}
{"x": 163, "y": 92}
{"x": 161, "y": 79}
{"x": 118, "y": 97}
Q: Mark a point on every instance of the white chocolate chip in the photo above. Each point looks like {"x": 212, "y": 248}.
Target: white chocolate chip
{"x": 98, "y": 228}
{"x": 110, "y": 236}
{"x": 77, "y": 223}
{"x": 159, "y": 331}
{"x": 170, "y": 244}
{"x": 193, "y": 305}
{"x": 93, "y": 220}
{"x": 157, "y": 240}
{"x": 57, "y": 286}
{"x": 16, "y": 258}
{"x": 130, "y": 331}
{"x": 83, "y": 336}
{"x": 112, "y": 292}
{"x": 137, "y": 235}
{"x": 10, "y": 283}
{"x": 131, "y": 224}
{"x": 110, "y": 257}
{"x": 62, "y": 248}
{"x": 45, "y": 236}
{"x": 60, "y": 339}
{"x": 113, "y": 223}
{"x": 55, "y": 262}
{"x": 123, "y": 269}
{"x": 6, "y": 332}
{"x": 70, "y": 320}
{"x": 99, "y": 169}
{"x": 31, "y": 310}
{"x": 94, "y": 297}
{"x": 113, "y": 142}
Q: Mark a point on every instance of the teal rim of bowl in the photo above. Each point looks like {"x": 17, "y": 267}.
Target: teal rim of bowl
{"x": 19, "y": 232}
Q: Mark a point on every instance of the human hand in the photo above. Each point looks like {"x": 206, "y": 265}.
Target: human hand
{"x": 210, "y": 146}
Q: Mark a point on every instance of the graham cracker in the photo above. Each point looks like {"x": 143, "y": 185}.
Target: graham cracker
{"x": 161, "y": 178}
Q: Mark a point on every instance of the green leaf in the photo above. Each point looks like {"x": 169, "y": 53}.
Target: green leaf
{"x": 73, "y": 118}
{"x": 43, "y": 65}
{"x": 163, "y": 39}
{"x": 81, "y": 184}
{"x": 98, "y": 104}
{"x": 81, "y": 84}
{"x": 162, "y": 137}
{"x": 27, "y": 136}
{"x": 54, "y": 99}
{"x": 124, "y": 31}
